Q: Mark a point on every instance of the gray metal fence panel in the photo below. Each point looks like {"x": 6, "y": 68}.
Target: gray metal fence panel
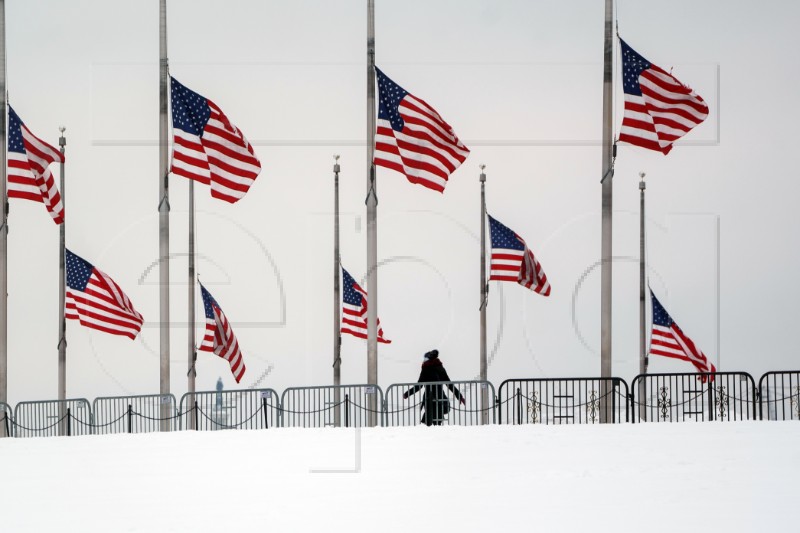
{"x": 53, "y": 417}
{"x": 440, "y": 397}
{"x": 230, "y": 409}
{"x": 5, "y": 420}
{"x": 562, "y": 401}
{"x": 133, "y": 414}
{"x": 332, "y": 406}
{"x": 780, "y": 395}
{"x": 725, "y": 396}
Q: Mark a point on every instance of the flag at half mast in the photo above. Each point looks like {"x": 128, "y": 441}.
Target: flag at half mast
{"x": 659, "y": 109}
{"x": 29, "y": 175}
{"x": 512, "y": 260}
{"x": 219, "y": 337}
{"x": 669, "y": 340}
{"x": 96, "y": 301}
{"x": 413, "y": 139}
{"x": 354, "y": 309}
{"x": 208, "y": 148}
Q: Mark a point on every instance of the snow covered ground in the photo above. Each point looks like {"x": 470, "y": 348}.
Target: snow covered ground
{"x": 645, "y": 478}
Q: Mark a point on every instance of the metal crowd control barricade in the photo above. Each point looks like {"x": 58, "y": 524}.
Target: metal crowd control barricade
{"x": 562, "y": 401}
{"x": 133, "y": 414}
{"x": 50, "y": 418}
{"x": 780, "y": 395}
{"x": 331, "y": 406}
{"x": 696, "y": 396}
{"x": 230, "y": 409}
{"x": 446, "y": 409}
{"x": 6, "y": 422}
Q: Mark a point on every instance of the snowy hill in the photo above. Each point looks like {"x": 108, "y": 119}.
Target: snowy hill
{"x": 658, "y": 477}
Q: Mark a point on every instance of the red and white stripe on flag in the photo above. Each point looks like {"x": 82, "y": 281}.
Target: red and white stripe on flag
{"x": 104, "y": 307}
{"x": 220, "y": 340}
{"x": 354, "y": 309}
{"x": 519, "y": 266}
{"x": 512, "y": 260}
{"x": 668, "y": 340}
{"x": 413, "y": 139}
{"x": 659, "y": 109}
{"x": 29, "y": 175}
{"x": 672, "y": 342}
{"x": 426, "y": 151}
{"x": 354, "y": 322}
{"x": 222, "y": 157}
{"x": 531, "y": 274}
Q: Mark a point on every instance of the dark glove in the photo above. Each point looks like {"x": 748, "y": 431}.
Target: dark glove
{"x": 405, "y": 395}
{"x": 461, "y": 400}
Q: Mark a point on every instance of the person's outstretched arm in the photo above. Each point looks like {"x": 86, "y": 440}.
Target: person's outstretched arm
{"x": 412, "y": 391}
{"x": 453, "y": 388}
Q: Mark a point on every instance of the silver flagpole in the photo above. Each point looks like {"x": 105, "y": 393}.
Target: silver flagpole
{"x": 372, "y": 221}
{"x": 642, "y": 300}
{"x": 719, "y": 355}
{"x": 337, "y": 298}
{"x": 191, "y": 373}
{"x": 606, "y": 216}
{"x": 62, "y": 277}
{"x": 3, "y": 218}
{"x": 484, "y": 302}
{"x": 163, "y": 215}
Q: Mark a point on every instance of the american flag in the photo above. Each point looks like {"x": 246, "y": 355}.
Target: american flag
{"x": 512, "y": 260}
{"x": 94, "y": 299}
{"x": 219, "y": 337}
{"x": 29, "y": 175}
{"x": 413, "y": 139}
{"x": 659, "y": 109}
{"x": 208, "y": 148}
{"x": 354, "y": 309}
{"x": 669, "y": 340}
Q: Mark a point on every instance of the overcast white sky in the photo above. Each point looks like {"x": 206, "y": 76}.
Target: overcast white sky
{"x": 519, "y": 81}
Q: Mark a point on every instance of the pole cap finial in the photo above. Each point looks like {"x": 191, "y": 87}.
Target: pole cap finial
{"x": 641, "y": 183}
{"x": 336, "y": 163}
{"x": 483, "y": 174}
{"x": 62, "y": 141}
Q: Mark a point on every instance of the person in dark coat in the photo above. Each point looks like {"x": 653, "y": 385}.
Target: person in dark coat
{"x": 434, "y": 401}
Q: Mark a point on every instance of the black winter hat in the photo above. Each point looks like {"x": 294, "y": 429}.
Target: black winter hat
{"x": 432, "y": 354}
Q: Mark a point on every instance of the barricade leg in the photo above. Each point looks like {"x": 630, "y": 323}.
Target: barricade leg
{"x": 710, "y": 400}
{"x": 347, "y": 410}
{"x": 643, "y": 404}
{"x": 614, "y": 403}
{"x": 499, "y": 409}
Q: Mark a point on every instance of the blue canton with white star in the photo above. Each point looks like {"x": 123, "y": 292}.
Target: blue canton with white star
{"x": 208, "y": 303}
{"x": 502, "y": 237}
{"x": 190, "y": 111}
{"x": 389, "y": 96}
{"x": 660, "y": 315}
{"x": 78, "y": 271}
{"x": 632, "y": 66}
{"x": 15, "y": 141}
{"x": 349, "y": 294}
